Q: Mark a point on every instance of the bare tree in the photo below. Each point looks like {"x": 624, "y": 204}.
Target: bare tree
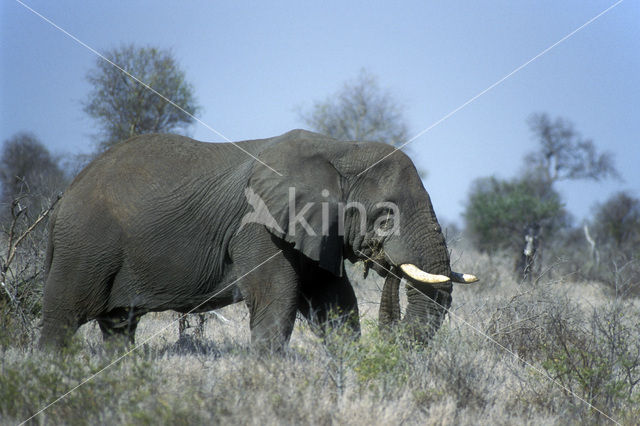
{"x": 360, "y": 111}
{"x": 124, "y": 108}
{"x": 564, "y": 155}
{"x": 28, "y": 172}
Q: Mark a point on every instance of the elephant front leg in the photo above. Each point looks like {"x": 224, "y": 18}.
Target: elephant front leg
{"x": 272, "y": 309}
{"x": 269, "y": 284}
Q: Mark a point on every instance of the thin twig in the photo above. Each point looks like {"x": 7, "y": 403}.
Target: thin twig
{"x": 14, "y": 246}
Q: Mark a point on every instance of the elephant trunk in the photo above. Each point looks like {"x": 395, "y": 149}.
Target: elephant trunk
{"x": 423, "y": 260}
{"x": 390, "y": 302}
{"x": 426, "y": 309}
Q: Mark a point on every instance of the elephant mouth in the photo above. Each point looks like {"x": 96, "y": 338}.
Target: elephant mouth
{"x": 384, "y": 262}
{"x": 429, "y": 284}
{"x": 428, "y": 295}
{"x": 413, "y": 273}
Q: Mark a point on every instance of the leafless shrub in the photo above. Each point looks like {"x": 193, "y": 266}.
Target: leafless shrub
{"x": 597, "y": 356}
{"x": 519, "y": 324}
{"x": 185, "y": 323}
{"x": 617, "y": 268}
{"x": 622, "y": 275}
{"x": 21, "y": 270}
{"x": 592, "y": 353}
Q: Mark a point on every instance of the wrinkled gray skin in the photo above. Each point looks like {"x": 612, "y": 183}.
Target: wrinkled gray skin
{"x": 155, "y": 224}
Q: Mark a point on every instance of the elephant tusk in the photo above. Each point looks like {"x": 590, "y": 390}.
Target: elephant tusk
{"x": 457, "y": 277}
{"x": 419, "y": 275}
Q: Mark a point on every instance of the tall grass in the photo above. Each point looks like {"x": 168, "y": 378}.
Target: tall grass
{"x": 509, "y": 353}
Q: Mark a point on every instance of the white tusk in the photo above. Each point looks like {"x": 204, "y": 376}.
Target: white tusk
{"x": 463, "y": 278}
{"x": 419, "y": 275}
{"x": 220, "y": 316}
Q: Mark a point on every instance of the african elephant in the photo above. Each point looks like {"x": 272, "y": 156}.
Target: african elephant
{"x": 163, "y": 222}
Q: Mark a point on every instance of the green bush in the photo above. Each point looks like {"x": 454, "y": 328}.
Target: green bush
{"x": 382, "y": 362}
{"x": 498, "y": 211}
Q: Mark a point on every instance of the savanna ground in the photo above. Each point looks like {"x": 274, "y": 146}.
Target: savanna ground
{"x": 509, "y": 353}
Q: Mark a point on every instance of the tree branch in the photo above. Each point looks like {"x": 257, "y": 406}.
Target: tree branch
{"x": 14, "y": 246}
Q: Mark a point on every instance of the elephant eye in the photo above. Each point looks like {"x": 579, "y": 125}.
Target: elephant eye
{"x": 387, "y": 220}
{"x": 385, "y": 223}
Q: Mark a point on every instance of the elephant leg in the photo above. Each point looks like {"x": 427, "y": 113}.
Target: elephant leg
{"x": 272, "y": 310}
{"x": 76, "y": 290}
{"x": 270, "y": 292}
{"x": 329, "y": 302}
{"x": 58, "y": 325}
{"x": 61, "y": 318}
{"x": 119, "y": 326}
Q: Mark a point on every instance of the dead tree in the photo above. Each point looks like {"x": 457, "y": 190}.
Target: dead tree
{"x": 525, "y": 263}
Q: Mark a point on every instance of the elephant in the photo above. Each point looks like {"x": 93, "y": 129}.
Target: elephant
{"x": 163, "y": 222}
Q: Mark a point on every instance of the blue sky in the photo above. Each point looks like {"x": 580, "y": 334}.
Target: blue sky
{"x": 253, "y": 63}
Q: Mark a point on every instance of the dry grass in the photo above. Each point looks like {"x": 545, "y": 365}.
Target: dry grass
{"x": 557, "y": 326}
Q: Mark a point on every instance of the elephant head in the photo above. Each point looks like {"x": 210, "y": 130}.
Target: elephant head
{"x": 340, "y": 207}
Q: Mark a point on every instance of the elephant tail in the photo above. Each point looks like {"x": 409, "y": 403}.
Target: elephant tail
{"x": 50, "y": 246}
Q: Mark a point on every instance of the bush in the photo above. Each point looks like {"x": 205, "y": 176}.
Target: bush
{"x": 498, "y": 211}
{"x": 593, "y": 354}
{"x": 605, "y": 249}
{"x": 577, "y": 333}
{"x": 29, "y": 176}
{"x": 22, "y": 256}
{"x": 131, "y": 391}
{"x": 600, "y": 362}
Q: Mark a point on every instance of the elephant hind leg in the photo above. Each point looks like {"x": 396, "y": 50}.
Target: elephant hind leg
{"x": 57, "y": 329}
{"x": 60, "y": 317}
{"x": 76, "y": 290}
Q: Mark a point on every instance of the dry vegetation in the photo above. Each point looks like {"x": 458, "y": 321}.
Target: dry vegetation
{"x": 509, "y": 353}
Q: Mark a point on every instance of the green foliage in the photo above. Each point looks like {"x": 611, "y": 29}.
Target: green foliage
{"x": 381, "y": 360}
{"x": 601, "y": 362}
{"x": 124, "y": 108}
{"x": 498, "y": 210}
{"x": 360, "y": 111}
{"x": 616, "y": 222}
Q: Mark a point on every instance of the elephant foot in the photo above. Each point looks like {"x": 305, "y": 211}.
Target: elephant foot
{"x": 57, "y": 332}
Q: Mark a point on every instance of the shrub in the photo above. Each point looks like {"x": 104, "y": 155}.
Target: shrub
{"x": 586, "y": 341}
{"x": 22, "y": 256}
{"x": 498, "y": 211}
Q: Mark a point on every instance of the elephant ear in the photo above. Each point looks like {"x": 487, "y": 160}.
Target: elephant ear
{"x": 301, "y": 209}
